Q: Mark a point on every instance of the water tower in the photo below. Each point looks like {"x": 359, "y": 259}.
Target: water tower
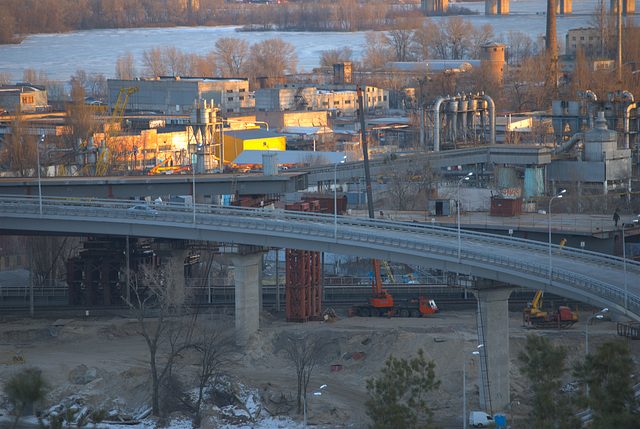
{"x": 492, "y": 59}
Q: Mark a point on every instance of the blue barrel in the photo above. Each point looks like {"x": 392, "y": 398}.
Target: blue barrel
{"x": 501, "y": 420}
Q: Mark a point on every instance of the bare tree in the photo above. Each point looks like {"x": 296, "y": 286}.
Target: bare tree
{"x": 160, "y": 292}
{"x": 400, "y": 41}
{"x": 272, "y": 58}
{"x": 154, "y": 63}
{"x": 215, "y": 348}
{"x": 231, "y": 56}
{"x": 96, "y": 85}
{"x": 335, "y": 56}
{"x": 125, "y": 67}
{"x": 376, "y": 51}
{"x": 19, "y": 151}
{"x": 303, "y": 352}
{"x": 5, "y": 78}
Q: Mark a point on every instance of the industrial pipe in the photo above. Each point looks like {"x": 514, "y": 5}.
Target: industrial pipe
{"x": 492, "y": 117}
{"x": 627, "y": 113}
{"x": 592, "y": 98}
{"x": 627, "y": 116}
{"x": 568, "y": 145}
{"x": 436, "y": 123}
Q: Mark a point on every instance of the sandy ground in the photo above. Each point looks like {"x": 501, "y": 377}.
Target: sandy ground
{"x": 103, "y": 363}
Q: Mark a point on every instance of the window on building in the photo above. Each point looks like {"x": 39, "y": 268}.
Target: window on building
{"x": 242, "y": 90}
{"x": 241, "y": 98}
{"x": 379, "y": 98}
{"x": 230, "y": 99}
{"x": 326, "y": 103}
{"x": 385, "y": 98}
{"x": 347, "y": 101}
{"x": 581, "y": 37}
{"x": 336, "y": 103}
{"x": 229, "y": 90}
{"x": 573, "y": 38}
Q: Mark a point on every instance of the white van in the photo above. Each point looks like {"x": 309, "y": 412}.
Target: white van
{"x": 479, "y": 419}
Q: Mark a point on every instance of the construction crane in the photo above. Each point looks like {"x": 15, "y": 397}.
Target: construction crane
{"x": 104, "y": 159}
{"x": 387, "y": 268}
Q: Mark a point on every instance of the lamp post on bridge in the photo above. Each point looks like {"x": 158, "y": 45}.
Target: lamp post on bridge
{"x": 598, "y": 315}
{"x": 458, "y": 208}
{"x": 624, "y": 263}
{"x": 315, "y": 393}
{"x": 464, "y": 385}
{"x": 550, "y": 201}
{"x": 335, "y": 197}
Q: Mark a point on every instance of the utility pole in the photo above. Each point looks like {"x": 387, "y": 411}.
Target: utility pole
{"x": 619, "y": 58}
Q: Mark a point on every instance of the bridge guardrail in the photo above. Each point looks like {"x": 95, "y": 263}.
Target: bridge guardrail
{"x": 398, "y": 235}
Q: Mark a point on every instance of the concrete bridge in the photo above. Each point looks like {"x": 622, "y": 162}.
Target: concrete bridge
{"x": 502, "y": 262}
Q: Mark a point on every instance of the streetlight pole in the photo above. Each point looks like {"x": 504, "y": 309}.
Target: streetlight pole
{"x": 464, "y": 385}
{"x": 598, "y": 315}
{"x": 624, "y": 265}
{"x": 39, "y": 182}
{"x": 550, "y": 201}
{"x": 335, "y": 197}
{"x": 316, "y": 393}
{"x": 458, "y": 209}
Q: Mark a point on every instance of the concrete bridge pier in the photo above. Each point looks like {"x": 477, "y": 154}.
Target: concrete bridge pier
{"x": 493, "y": 333}
{"x": 248, "y": 265}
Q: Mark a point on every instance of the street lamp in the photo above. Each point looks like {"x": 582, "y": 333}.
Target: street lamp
{"x": 624, "y": 264}
{"x": 458, "y": 208}
{"x": 39, "y": 182}
{"x": 464, "y": 385}
{"x": 316, "y": 393}
{"x": 335, "y": 197}
{"x": 598, "y": 315}
{"x": 552, "y": 198}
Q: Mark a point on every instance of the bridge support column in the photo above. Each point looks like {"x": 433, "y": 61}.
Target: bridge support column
{"x": 247, "y": 287}
{"x": 493, "y": 332}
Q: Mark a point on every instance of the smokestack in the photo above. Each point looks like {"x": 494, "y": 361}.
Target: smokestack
{"x": 619, "y": 58}
{"x": 551, "y": 44}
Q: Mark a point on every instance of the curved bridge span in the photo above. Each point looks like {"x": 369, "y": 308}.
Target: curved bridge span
{"x": 590, "y": 277}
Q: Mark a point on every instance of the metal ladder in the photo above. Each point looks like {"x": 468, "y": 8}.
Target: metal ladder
{"x": 484, "y": 365}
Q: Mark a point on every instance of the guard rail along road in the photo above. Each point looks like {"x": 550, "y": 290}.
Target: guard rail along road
{"x": 593, "y": 278}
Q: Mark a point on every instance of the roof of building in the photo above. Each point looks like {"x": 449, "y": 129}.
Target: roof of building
{"x": 288, "y": 157}
{"x": 21, "y": 87}
{"x": 252, "y": 134}
{"x": 305, "y": 130}
{"x": 434, "y": 65}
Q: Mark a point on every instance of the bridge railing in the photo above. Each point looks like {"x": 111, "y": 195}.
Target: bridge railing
{"x": 323, "y": 221}
{"x": 412, "y": 237}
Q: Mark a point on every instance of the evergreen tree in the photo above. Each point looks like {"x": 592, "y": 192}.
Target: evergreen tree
{"x": 544, "y": 366}
{"x": 611, "y": 396}
{"x": 397, "y": 397}
{"x": 25, "y": 388}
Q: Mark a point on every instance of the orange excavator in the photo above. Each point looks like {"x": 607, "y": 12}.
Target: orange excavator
{"x": 381, "y": 302}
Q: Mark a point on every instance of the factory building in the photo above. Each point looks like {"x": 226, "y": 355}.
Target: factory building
{"x": 323, "y": 97}
{"x": 23, "y": 97}
{"x": 177, "y": 94}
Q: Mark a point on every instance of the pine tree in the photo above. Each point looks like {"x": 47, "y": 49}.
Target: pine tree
{"x": 397, "y": 397}
{"x": 611, "y": 396}
{"x": 544, "y": 365}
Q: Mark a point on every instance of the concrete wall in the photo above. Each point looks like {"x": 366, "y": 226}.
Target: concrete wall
{"x": 277, "y": 120}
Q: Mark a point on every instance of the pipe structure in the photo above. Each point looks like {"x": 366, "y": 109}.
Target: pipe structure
{"x": 592, "y": 98}
{"x": 568, "y": 145}
{"x": 436, "y": 123}
{"x": 492, "y": 117}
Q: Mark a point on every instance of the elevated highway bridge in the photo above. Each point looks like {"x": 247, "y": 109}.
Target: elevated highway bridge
{"x": 502, "y": 262}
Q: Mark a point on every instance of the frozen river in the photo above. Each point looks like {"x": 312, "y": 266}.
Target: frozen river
{"x": 60, "y": 55}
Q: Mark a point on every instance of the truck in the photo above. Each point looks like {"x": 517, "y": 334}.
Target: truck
{"x": 563, "y": 318}
{"x": 414, "y": 307}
